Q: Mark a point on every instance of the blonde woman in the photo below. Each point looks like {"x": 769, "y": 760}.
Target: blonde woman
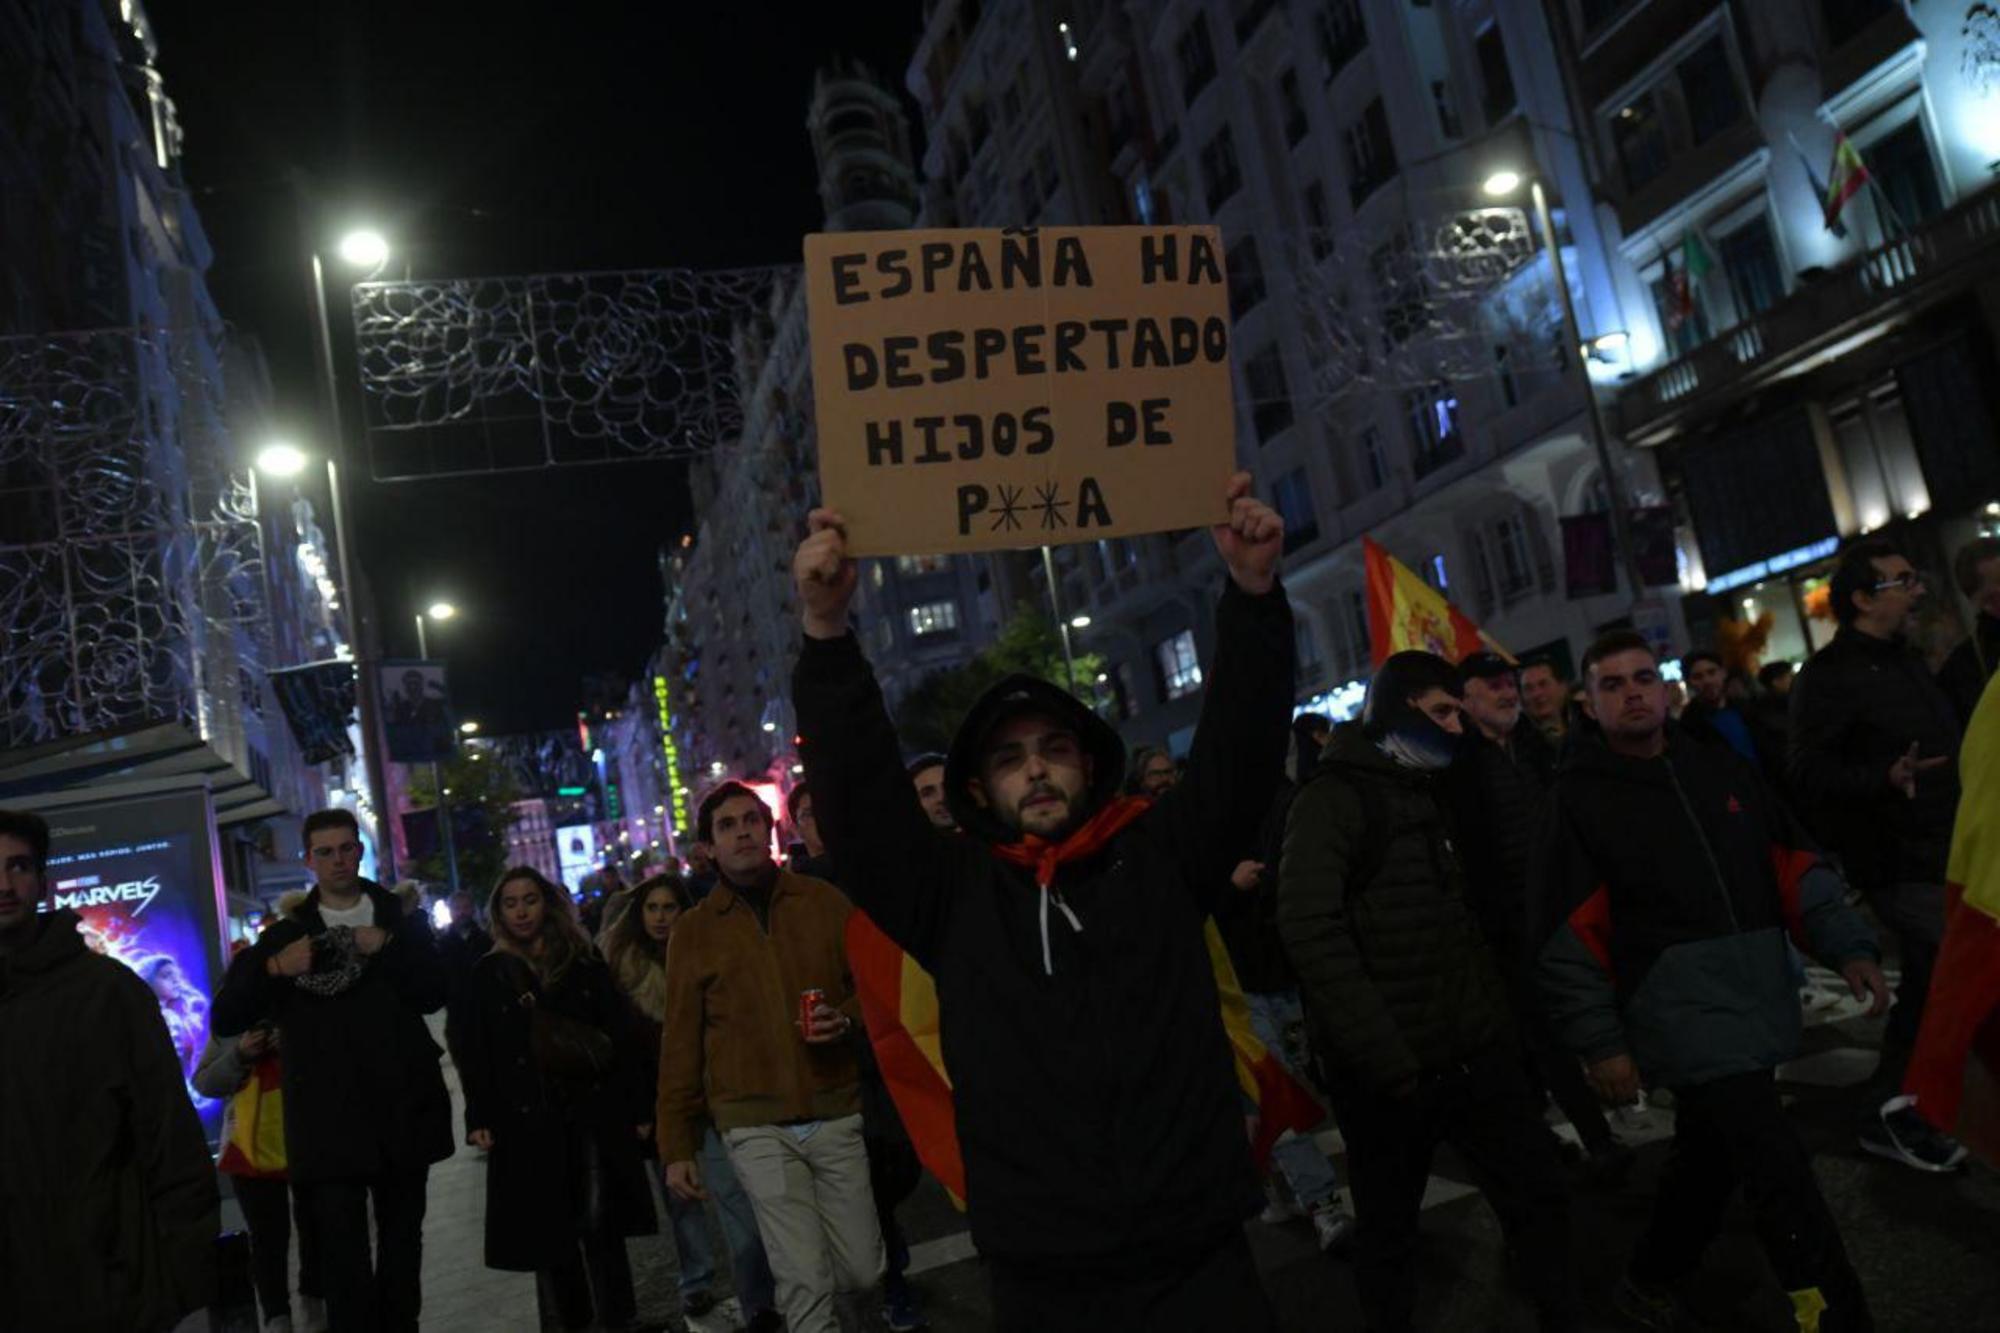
{"x": 555, "y": 1097}
{"x": 635, "y": 944}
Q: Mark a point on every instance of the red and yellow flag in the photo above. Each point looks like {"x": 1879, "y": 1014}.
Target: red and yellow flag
{"x": 1844, "y": 178}
{"x": 1404, "y": 612}
{"x": 1955, "y": 1070}
{"x": 900, "y": 1005}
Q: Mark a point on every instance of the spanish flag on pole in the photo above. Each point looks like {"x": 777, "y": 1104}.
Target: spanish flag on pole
{"x": 1845, "y": 176}
{"x": 1404, "y": 612}
{"x": 899, "y": 1003}
{"x": 1955, "y": 1071}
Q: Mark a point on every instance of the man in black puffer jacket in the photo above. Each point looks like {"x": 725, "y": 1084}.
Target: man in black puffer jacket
{"x": 1106, "y": 1167}
{"x": 1404, "y": 1002}
{"x": 1874, "y": 774}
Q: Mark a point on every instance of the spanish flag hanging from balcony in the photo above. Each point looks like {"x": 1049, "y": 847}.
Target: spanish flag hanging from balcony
{"x": 1955, "y": 1070}
{"x": 899, "y": 1003}
{"x": 1844, "y": 178}
{"x": 1404, "y": 612}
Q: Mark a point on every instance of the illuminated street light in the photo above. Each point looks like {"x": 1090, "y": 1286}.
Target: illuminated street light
{"x": 469, "y": 727}
{"x": 441, "y": 611}
{"x": 364, "y": 249}
{"x": 280, "y": 459}
{"x": 770, "y": 726}
{"x": 1079, "y": 621}
{"x": 1502, "y": 183}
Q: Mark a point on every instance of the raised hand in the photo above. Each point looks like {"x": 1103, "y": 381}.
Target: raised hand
{"x": 1251, "y": 541}
{"x": 824, "y": 574}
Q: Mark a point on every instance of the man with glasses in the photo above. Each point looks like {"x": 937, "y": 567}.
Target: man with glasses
{"x": 1873, "y": 770}
{"x": 347, "y": 979}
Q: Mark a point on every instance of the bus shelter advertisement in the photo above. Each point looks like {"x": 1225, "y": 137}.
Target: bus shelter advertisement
{"x": 140, "y": 873}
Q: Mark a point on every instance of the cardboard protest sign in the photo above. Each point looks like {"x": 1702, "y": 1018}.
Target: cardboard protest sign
{"x": 979, "y": 390}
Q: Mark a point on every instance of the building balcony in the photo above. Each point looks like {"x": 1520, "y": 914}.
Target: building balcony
{"x": 1823, "y": 319}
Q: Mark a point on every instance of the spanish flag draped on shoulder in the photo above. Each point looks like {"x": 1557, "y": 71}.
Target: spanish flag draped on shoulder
{"x": 1404, "y": 612}
{"x": 899, "y": 1003}
{"x": 1955, "y": 1071}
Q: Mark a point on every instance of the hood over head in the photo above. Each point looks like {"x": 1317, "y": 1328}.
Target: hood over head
{"x": 1400, "y": 730}
{"x": 1010, "y": 698}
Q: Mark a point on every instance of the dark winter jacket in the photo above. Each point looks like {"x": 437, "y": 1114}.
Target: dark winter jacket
{"x": 1856, "y": 707}
{"x": 1667, "y": 887}
{"x": 1964, "y": 674}
{"x": 550, "y": 1135}
{"x": 363, "y": 1092}
{"x": 108, "y": 1202}
{"x": 1248, "y": 918}
{"x": 1098, "y": 1113}
{"x": 1498, "y": 796}
{"x": 1770, "y": 743}
{"x": 1397, "y": 978}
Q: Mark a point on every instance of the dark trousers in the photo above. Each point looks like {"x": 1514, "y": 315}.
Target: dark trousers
{"x": 1915, "y": 912}
{"x": 1552, "y": 1067}
{"x": 893, "y": 1174}
{"x": 384, "y": 1295}
{"x": 268, "y": 1206}
{"x": 597, "y": 1267}
{"x": 1487, "y": 1113}
{"x": 1732, "y": 1132}
{"x": 1211, "y": 1289}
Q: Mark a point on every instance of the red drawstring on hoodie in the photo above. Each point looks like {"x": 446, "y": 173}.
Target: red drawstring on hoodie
{"x": 1041, "y": 857}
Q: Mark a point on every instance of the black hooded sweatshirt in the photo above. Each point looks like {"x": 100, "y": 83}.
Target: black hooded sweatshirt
{"x": 1098, "y": 1113}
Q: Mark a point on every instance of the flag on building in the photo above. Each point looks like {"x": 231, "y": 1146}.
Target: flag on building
{"x": 1844, "y": 178}
{"x": 899, "y": 1003}
{"x": 1695, "y": 264}
{"x": 1835, "y": 225}
{"x": 1955, "y": 1070}
{"x": 318, "y": 703}
{"x": 1404, "y": 612}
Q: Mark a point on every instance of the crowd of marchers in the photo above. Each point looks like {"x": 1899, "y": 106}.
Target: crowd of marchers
{"x": 1490, "y": 892}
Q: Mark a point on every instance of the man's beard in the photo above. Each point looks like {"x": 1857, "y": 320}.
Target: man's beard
{"x": 1036, "y": 793}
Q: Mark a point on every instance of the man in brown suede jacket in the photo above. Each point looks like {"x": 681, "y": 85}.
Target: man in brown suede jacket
{"x": 782, "y": 1089}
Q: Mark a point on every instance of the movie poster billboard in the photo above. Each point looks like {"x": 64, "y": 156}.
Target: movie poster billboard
{"x": 141, "y": 874}
{"x": 576, "y": 853}
{"x": 416, "y": 711}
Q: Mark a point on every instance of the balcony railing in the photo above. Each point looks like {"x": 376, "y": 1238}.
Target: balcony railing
{"x": 1910, "y": 270}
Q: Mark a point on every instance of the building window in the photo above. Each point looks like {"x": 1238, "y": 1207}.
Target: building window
{"x": 1045, "y": 170}
{"x": 933, "y": 618}
{"x": 1402, "y": 295}
{"x": 1374, "y": 461}
{"x": 1496, "y": 77}
{"x": 1845, "y": 19}
{"x": 1269, "y": 394}
{"x": 1142, "y": 200}
{"x": 1371, "y": 156}
{"x": 1750, "y": 261}
{"x": 1292, "y": 498}
{"x": 1357, "y": 624}
{"x": 1447, "y": 110}
{"x": 1196, "y": 54}
{"x": 1683, "y": 314}
{"x": 1901, "y": 165}
{"x": 1305, "y": 650}
{"x": 1220, "y": 176}
{"x": 920, "y": 564}
{"x": 1127, "y": 691}
{"x": 1639, "y": 135}
{"x": 1517, "y": 570}
{"x": 1246, "y": 277}
{"x": 1342, "y": 36}
{"x": 1120, "y": 114}
{"x": 1293, "y": 104}
{"x": 1028, "y": 197}
{"x": 1709, "y": 91}
{"x": 1319, "y": 221}
{"x": 1178, "y": 665}
{"x": 1434, "y": 427}
{"x": 1596, "y": 13}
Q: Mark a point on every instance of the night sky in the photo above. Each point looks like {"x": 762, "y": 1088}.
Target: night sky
{"x": 504, "y": 138}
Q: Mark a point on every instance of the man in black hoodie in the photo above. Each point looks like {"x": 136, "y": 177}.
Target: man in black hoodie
{"x": 1407, "y": 1010}
{"x": 1667, "y": 883}
{"x": 1874, "y": 773}
{"x": 347, "y": 979}
{"x": 1107, "y": 1172}
{"x": 108, "y": 1202}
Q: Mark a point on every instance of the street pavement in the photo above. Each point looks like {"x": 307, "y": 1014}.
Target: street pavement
{"x": 1927, "y": 1247}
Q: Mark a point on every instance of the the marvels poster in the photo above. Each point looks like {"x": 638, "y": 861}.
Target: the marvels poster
{"x": 141, "y": 875}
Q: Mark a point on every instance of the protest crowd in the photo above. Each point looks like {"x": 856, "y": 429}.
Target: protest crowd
{"x": 1105, "y": 1000}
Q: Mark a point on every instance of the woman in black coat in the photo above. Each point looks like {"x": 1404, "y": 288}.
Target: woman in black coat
{"x": 546, "y": 1095}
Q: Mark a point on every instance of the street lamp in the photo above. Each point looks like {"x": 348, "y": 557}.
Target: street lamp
{"x": 1500, "y": 184}
{"x": 441, "y": 611}
{"x": 1079, "y": 622}
{"x": 365, "y": 248}
{"x": 468, "y": 728}
{"x": 281, "y": 459}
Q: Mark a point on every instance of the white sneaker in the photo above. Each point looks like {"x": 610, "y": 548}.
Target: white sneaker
{"x": 1333, "y": 1227}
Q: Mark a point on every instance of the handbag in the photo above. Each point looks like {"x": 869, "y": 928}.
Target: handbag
{"x": 563, "y": 1047}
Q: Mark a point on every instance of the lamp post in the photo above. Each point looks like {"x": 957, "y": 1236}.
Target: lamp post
{"x": 441, "y": 611}
{"x": 1499, "y": 185}
{"x": 364, "y": 249}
